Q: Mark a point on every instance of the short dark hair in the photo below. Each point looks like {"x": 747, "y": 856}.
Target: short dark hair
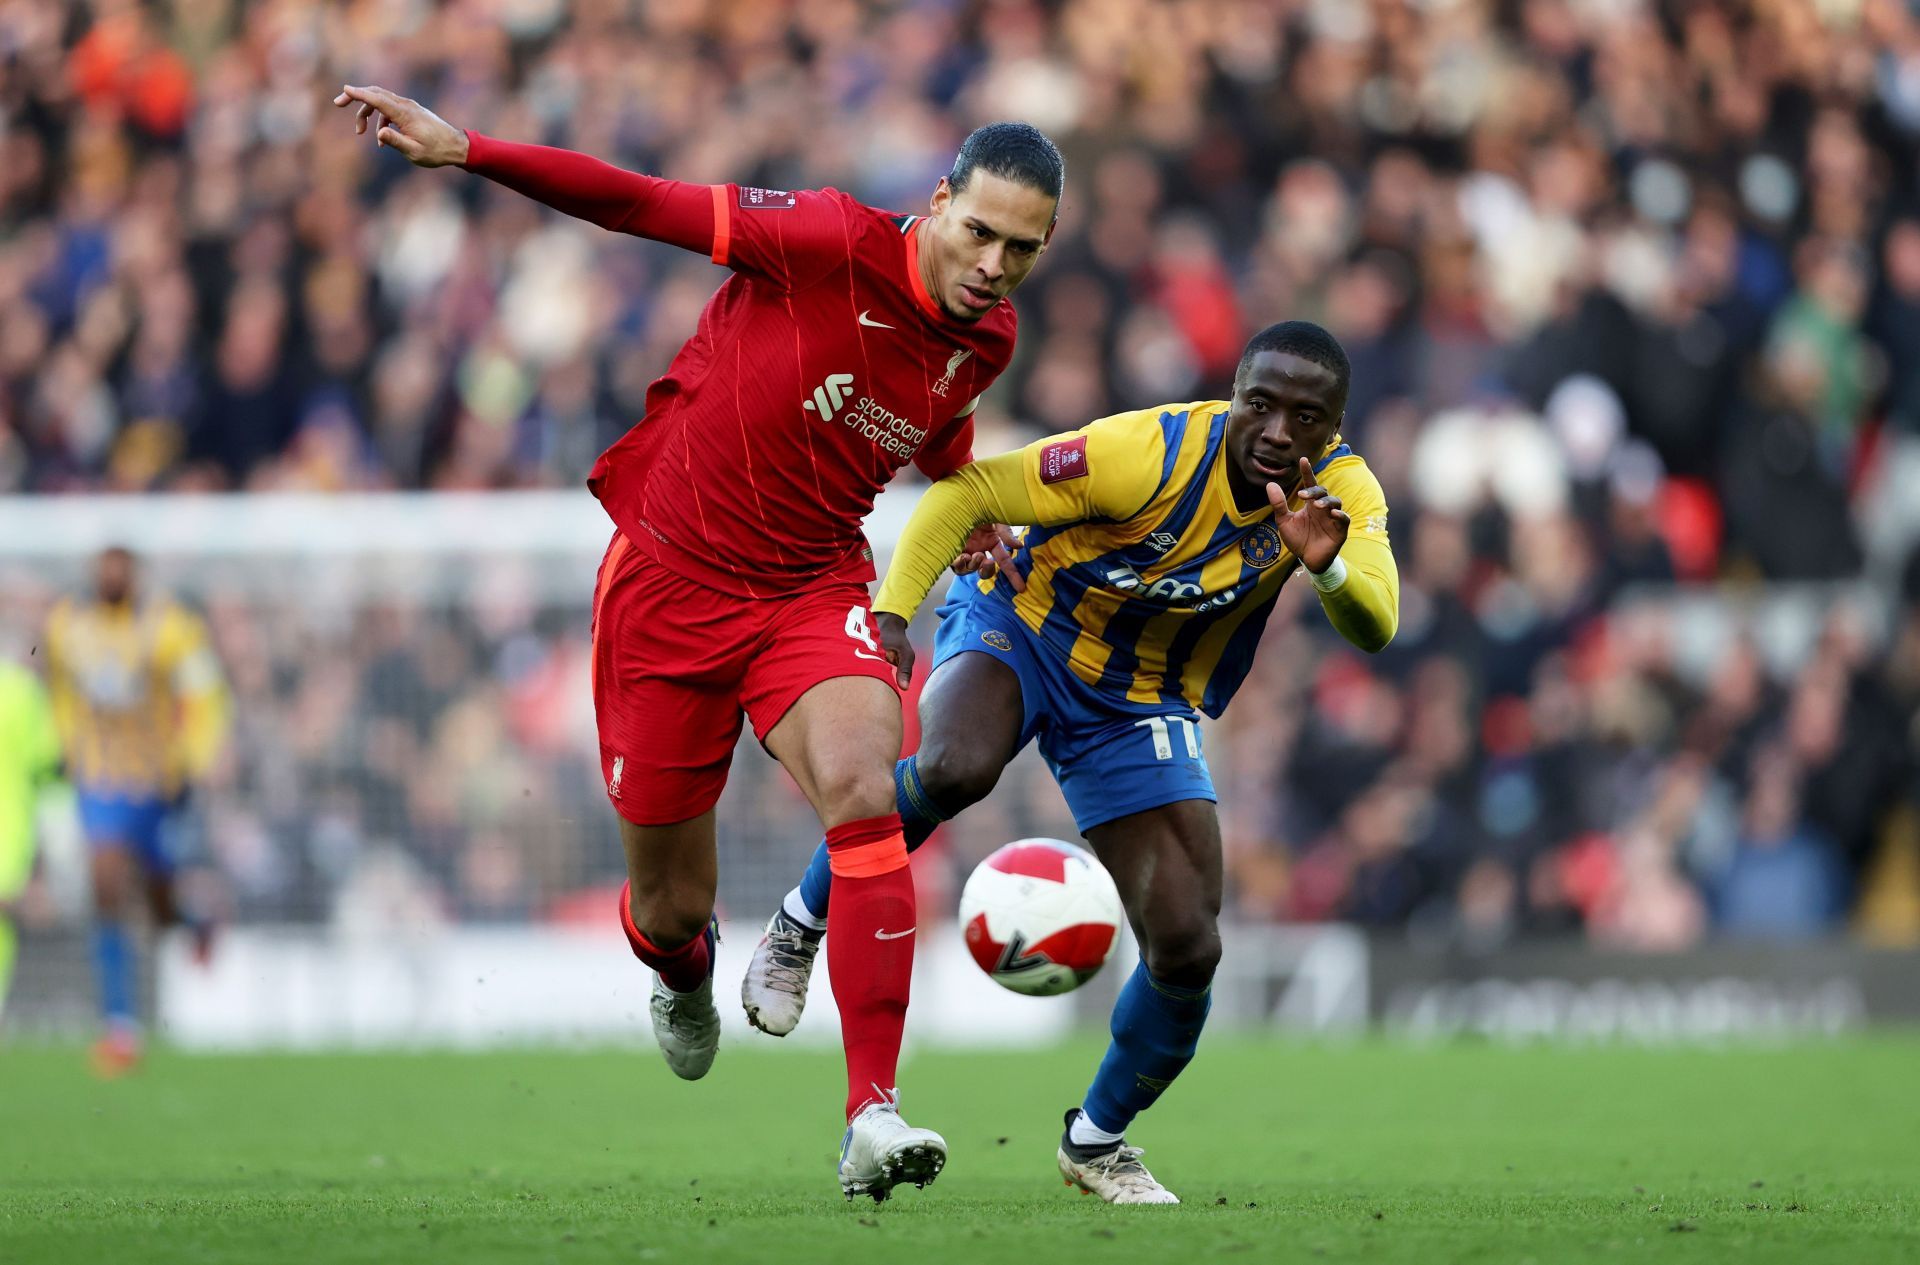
{"x": 1019, "y": 152}
{"x": 1303, "y": 339}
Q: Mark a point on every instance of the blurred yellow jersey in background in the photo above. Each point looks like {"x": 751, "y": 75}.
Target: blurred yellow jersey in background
{"x": 138, "y": 696}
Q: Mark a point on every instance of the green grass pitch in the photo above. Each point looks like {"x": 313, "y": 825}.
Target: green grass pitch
{"x": 1372, "y": 1151}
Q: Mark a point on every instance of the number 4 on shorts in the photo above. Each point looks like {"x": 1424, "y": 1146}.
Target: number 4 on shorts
{"x": 858, "y": 630}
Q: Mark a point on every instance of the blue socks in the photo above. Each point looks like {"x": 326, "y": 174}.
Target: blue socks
{"x": 1156, "y": 1027}
{"x": 918, "y": 817}
{"x": 113, "y": 964}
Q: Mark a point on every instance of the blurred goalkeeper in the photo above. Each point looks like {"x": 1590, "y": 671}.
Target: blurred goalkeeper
{"x": 142, "y": 711}
{"x": 1158, "y": 542}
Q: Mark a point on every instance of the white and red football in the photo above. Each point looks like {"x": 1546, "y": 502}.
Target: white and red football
{"x": 1040, "y": 916}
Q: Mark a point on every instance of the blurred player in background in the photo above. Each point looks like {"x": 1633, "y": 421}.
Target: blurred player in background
{"x": 29, "y": 761}
{"x": 142, "y": 711}
{"x": 1159, "y": 542}
{"x": 847, "y": 342}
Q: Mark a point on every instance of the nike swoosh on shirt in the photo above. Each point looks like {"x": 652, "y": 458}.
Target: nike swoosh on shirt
{"x": 894, "y": 935}
{"x": 869, "y": 321}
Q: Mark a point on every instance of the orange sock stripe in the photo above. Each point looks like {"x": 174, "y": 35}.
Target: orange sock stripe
{"x": 868, "y": 860}
{"x": 637, "y": 939}
{"x": 637, "y": 942}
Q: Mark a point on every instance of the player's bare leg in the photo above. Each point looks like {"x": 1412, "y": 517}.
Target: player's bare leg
{"x": 666, "y": 909}
{"x": 1167, "y": 864}
{"x": 970, "y": 714}
{"x": 838, "y": 741}
{"x": 114, "y": 873}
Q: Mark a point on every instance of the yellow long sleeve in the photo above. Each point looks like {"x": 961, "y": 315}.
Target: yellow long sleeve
{"x": 990, "y": 491}
{"x": 1107, "y": 469}
{"x": 1366, "y": 609}
{"x": 206, "y": 707}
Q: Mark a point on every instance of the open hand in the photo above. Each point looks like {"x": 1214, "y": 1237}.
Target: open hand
{"x": 1314, "y": 532}
{"x": 989, "y": 552}
{"x": 422, "y": 137}
{"x": 894, "y": 645}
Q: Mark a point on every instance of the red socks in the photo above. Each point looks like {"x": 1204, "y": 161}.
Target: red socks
{"x": 682, "y": 969}
{"x": 870, "y": 934}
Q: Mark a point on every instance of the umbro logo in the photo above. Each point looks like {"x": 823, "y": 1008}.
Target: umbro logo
{"x": 866, "y": 318}
{"x": 1161, "y": 541}
{"x": 830, "y": 395}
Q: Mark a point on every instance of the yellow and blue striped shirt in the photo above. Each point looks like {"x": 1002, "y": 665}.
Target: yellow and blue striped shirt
{"x": 1141, "y": 572}
{"x": 137, "y": 694}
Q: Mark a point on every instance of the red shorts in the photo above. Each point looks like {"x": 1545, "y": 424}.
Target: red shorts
{"x": 675, "y": 664}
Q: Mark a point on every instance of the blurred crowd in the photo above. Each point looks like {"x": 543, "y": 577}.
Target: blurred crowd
{"x": 1631, "y": 291}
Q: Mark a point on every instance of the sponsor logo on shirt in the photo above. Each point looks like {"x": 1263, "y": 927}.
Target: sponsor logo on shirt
{"x": 888, "y": 430}
{"x": 1173, "y": 591}
{"x": 997, "y": 639}
{"x": 830, "y": 395}
{"x": 1226, "y": 597}
{"x": 954, "y": 361}
{"x": 1064, "y": 460}
{"x": 765, "y": 199}
{"x": 1261, "y": 547}
{"x": 1161, "y": 541}
{"x": 1176, "y": 591}
{"x": 866, "y": 416}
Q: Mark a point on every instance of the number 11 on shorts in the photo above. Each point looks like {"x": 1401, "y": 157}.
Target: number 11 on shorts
{"x": 1163, "y": 739}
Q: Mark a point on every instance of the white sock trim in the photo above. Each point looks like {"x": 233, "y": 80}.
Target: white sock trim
{"x": 1083, "y": 1132}
{"x": 797, "y": 910}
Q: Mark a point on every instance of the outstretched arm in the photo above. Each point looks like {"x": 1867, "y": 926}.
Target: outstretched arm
{"x": 586, "y": 188}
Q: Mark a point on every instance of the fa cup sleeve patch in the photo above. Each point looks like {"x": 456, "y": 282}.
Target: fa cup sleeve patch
{"x": 765, "y": 199}
{"x": 1064, "y": 460}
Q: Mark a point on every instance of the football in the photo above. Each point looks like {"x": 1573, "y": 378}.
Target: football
{"x": 1040, "y": 916}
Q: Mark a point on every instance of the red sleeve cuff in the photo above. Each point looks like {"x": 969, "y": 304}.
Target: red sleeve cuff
{"x": 477, "y": 145}
{"x": 722, "y": 224}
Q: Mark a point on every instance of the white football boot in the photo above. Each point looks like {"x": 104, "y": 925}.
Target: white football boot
{"x": 687, "y": 1025}
{"x": 1115, "y": 1174}
{"x": 774, "y": 991}
{"x": 881, "y": 1151}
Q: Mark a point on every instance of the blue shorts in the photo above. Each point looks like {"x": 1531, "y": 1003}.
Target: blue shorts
{"x": 135, "y": 822}
{"x": 1111, "y": 757}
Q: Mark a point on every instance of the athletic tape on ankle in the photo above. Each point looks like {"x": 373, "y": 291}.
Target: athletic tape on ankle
{"x": 867, "y": 860}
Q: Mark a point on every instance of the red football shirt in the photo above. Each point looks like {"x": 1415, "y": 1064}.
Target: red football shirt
{"x": 817, "y": 370}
